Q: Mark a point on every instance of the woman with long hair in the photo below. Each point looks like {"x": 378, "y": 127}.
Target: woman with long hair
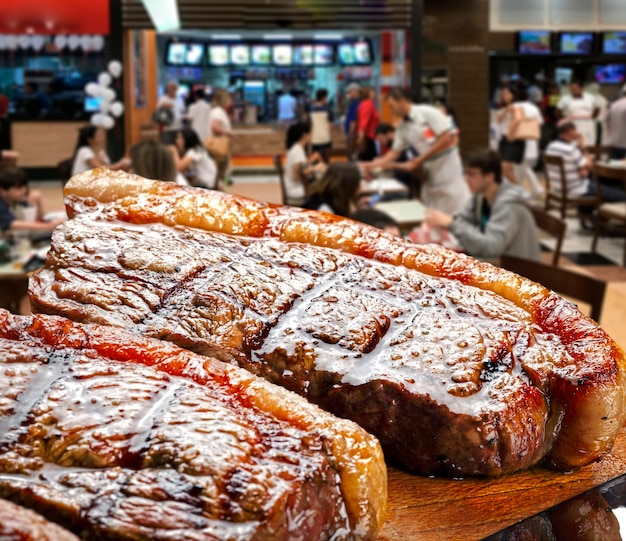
{"x": 195, "y": 163}
{"x": 220, "y": 126}
{"x": 90, "y": 151}
{"x": 300, "y": 167}
{"x": 154, "y": 160}
{"x": 337, "y": 191}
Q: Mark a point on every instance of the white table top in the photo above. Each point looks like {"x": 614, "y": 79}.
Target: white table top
{"x": 408, "y": 212}
{"x": 383, "y": 185}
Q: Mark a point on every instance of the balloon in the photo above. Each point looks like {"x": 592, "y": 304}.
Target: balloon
{"x": 11, "y": 42}
{"x": 60, "y": 41}
{"x": 105, "y": 106}
{"x": 108, "y": 94}
{"x": 23, "y": 41}
{"x": 107, "y": 122}
{"x": 97, "y": 119}
{"x": 117, "y": 108}
{"x": 104, "y": 79}
{"x": 97, "y": 43}
{"x": 73, "y": 42}
{"x": 93, "y": 89}
{"x": 85, "y": 42}
{"x": 37, "y": 41}
{"x": 115, "y": 68}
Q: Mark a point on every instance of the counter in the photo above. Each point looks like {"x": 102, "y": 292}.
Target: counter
{"x": 44, "y": 143}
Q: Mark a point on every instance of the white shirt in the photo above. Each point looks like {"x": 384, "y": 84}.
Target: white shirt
{"x": 294, "y": 186}
{"x": 580, "y": 111}
{"x": 199, "y": 113}
{"x": 203, "y": 169}
{"x": 218, "y": 113}
{"x": 421, "y": 129}
{"x": 178, "y": 109}
{"x": 83, "y": 156}
{"x": 287, "y": 107}
{"x": 617, "y": 123}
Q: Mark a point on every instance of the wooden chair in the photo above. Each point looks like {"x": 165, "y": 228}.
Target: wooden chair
{"x": 599, "y": 153}
{"x": 561, "y": 197}
{"x": 571, "y": 284}
{"x": 610, "y": 215}
{"x": 553, "y": 226}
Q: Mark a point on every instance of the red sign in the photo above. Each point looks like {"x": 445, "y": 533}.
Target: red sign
{"x": 54, "y": 17}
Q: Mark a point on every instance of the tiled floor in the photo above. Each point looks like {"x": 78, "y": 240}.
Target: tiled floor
{"x": 266, "y": 187}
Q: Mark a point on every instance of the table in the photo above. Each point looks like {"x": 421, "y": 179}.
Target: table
{"x": 408, "y": 213}
{"x": 13, "y": 286}
{"x": 384, "y": 186}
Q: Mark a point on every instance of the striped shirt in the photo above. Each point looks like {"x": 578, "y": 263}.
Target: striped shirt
{"x": 573, "y": 160}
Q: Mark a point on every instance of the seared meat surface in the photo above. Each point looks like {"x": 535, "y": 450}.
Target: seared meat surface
{"x": 20, "y": 524}
{"x": 121, "y": 437}
{"x": 458, "y": 367}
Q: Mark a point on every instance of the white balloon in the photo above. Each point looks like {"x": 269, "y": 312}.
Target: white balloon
{"x": 107, "y": 122}
{"x": 38, "y": 41}
{"x": 85, "y": 42}
{"x": 60, "y": 41}
{"x": 92, "y": 89}
{"x": 73, "y": 42}
{"x": 97, "y": 119}
{"x": 115, "y": 68}
{"x": 117, "y": 108}
{"x": 108, "y": 94}
{"x": 105, "y": 106}
{"x": 97, "y": 43}
{"x": 23, "y": 41}
{"x": 104, "y": 79}
{"x": 11, "y": 42}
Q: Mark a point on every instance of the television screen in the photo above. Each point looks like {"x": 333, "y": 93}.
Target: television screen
{"x": 261, "y": 55}
{"x": 195, "y": 54}
{"x": 303, "y": 55}
{"x": 576, "y": 42}
{"x": 324, "y": 55}
{"x": 176, "y": 54}
{"x": 609, "y": 74}
{"x": 534, "y": 42}
{"x": 218, "y": 55}
{"x": 92, "y": 104}
{"x": 239, "y": 55}
{"x": 362, "y": 52}
{"x": 282, "y": 55}
{"x": 614, "y": 43}
{"x": 346, "y": 54}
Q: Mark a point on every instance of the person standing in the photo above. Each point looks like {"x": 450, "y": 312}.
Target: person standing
{"x": 430, "y": 132}
{"x": 321, "y": 118}
{"x": 352, "y": 95}
{"x": 367, "y": 119}
{"x": 198, "y": 114}
{"x": 581, "y": 108}
{"x": 287, "y": 107}
{"x": 172, "y": 101}
{"x": 616, "y": 123}
{"x": 220, "y": 125}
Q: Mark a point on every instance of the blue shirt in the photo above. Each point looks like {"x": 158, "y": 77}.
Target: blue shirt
{"x": 351, "y": 114}
{"x": 6, "y": 216}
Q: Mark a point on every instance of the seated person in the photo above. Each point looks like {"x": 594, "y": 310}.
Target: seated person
{"x": 195, "y": 162}
{"x": 91, "y": 151}
{"x": 385, "y": 134}
{"x": 337, "y": 191}
{"x": 154, "y": 160}
{"x": 300, "y": 169}
{"x": 13, "y": 194}
{"x": 577, "y": 166}
{"x": 378, "y": 219}
{"x": 496, "y": 219}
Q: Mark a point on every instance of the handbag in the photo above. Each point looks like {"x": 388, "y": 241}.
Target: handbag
{"x": 523, "y": 127}
{"x": 163, "y": 116}
{"x": 218, "y": 147}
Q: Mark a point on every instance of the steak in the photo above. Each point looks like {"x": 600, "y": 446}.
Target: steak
{"x": 20, "y": 524}
{"x": 458, "y": 367}
{"x": 117, "y": 436}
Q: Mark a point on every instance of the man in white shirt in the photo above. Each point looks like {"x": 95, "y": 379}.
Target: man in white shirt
{"x": 430, "y": 133}
{"x": 171, "y": 100}
{"x": 581, "y": 108}
{"x": 616, "y": 121}
{"x": 198, "y": 114}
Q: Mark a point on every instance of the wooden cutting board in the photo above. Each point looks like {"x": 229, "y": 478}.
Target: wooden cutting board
{"x": 424, "y": 509}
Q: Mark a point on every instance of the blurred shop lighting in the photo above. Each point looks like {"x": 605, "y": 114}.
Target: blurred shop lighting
{"x": 164, "y": 14}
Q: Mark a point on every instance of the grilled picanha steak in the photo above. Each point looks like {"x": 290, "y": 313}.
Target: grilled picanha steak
{"x": 117, "y": 436}
{"x": 457, "y": 366}
{"x": 20, "y": 524}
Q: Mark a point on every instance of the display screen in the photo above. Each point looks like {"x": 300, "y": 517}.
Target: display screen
{"x": 324, "y": 55}
{"x": 261, "y": 55}
{"x": 534, "y": 42}
{"x": 282, "y": 55}
{"x": 609, "y": 74}
{"x": 92, "y": 104}
{"x": 176, "y": 54}
{"x": 194, "y": 55}
{"x": 303, "y": 55}
{"x": 218, "y": 55}
{"x": 239, "y": 55}
{"x": 576, "y": 42}
{"x": 346, "y": 54}
{"x": 362, "y": 52}
{"x": 614, "y": 43}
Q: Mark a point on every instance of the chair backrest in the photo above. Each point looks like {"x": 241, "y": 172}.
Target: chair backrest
{"x": 566, "y": 282}
{"x": 553, "y": 226}
{"x": 613, "y": 173}
{"x": 553, "y": 166}
{"x": 278, "y": 164}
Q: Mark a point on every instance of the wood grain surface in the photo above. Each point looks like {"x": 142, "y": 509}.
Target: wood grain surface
{"x": 425, "y": 509}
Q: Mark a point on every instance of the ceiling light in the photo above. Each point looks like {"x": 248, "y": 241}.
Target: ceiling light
{"x": 164, "y": 14}
{"x": 276, "y": 37}
{"x": 226, "y": 37}
{"x": 328, "y": 36}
